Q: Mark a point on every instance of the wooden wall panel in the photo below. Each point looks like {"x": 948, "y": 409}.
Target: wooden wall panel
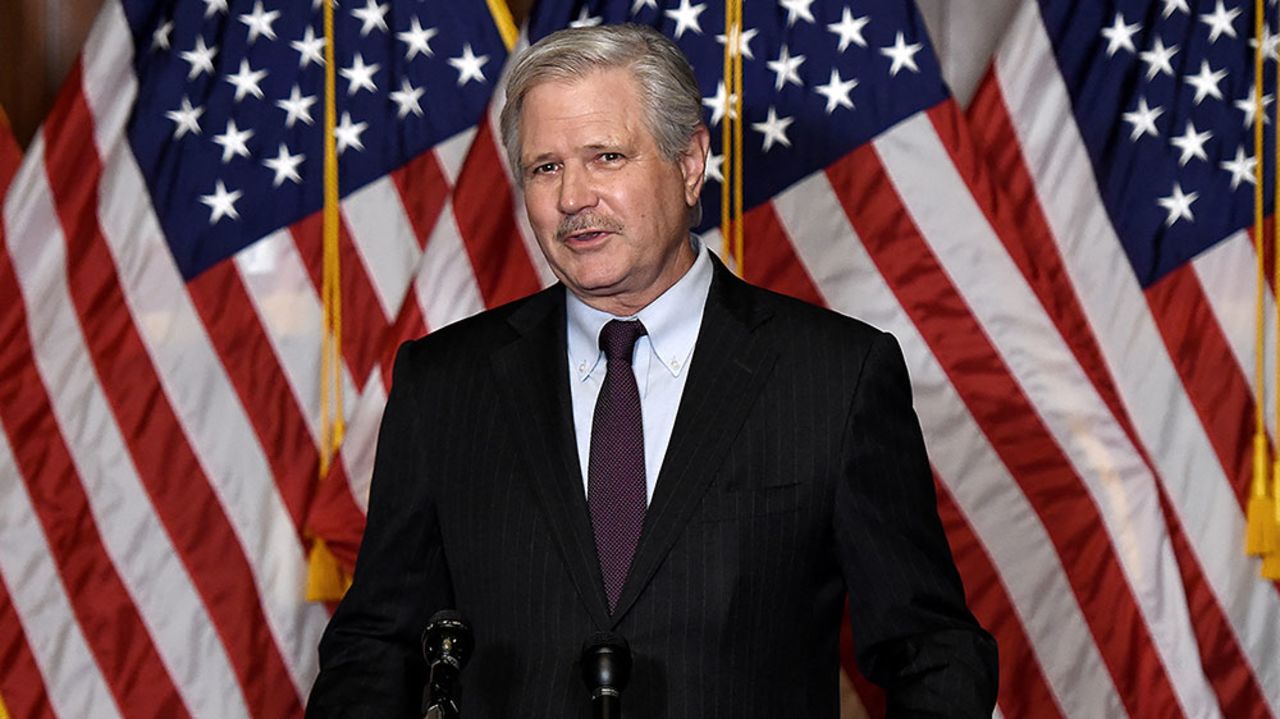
{"x": 39, "y": 39}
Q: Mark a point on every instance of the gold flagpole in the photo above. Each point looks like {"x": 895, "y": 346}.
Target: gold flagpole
{"x": 326, "y": 580}
{"x": 1260, "y": 537}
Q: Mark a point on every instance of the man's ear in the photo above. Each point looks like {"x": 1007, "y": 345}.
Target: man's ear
{"x": 693, "y": 164}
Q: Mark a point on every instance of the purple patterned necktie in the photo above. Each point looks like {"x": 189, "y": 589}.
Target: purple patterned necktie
{"x": 615, "y": 471}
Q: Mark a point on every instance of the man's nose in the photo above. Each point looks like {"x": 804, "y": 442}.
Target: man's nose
{"x": 577, "y": 191}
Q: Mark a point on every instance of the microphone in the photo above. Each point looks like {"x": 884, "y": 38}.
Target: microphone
{"x": 446, "y": 645}
{"x": 606, "y": 667}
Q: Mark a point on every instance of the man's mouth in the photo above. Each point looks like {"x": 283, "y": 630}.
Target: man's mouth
{"x": 586, "y": 236}
{"x": 586, "y": 228}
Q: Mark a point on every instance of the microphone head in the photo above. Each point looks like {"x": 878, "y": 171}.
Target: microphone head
{"x": 606, "y": 664}
{"x": 447, "y": 638}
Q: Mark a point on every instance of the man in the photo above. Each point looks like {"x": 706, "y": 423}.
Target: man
{"x": 650, "y": 447}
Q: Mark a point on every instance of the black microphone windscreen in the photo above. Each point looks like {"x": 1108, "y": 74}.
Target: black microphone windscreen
{"x": 606, "y": 663}
{"x": 447, "y": 636}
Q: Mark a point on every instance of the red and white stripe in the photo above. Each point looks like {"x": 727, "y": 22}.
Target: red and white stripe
{"x": 151, "y": 501}
{"x": 160, "y": 449}
{"x": 1193, "y": 422}
{"x": 1039, "y": 593}
{"x": 68, "y": 677}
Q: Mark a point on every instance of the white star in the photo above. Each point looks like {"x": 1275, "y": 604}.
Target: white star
{"x": 160, "y": 38}
{"x": 212, "y": 6}
{"x": 1120, "y": 35}
{"x": 221, "y": 203}
{"x": 902, "y": 54}
{"x": 298, "y": 106}
{"x": 712, "y": 170}
{"x": 774, "y": 129}
{"x": 348, "y": 134}
{"x": 1249, "y": 106}
{"x": 259, "y": 22}
{"x": 1206, "y": 82}
{"x": 246, "y": 81}
{"x": 686, "y": 17}
{"x": 407, "y": 99}
{"x": 638, "y": 5}
{"x": 585, "y": 19}
{"x": 797, "y": 9}
{"x": 1171, "y": 5}
{"x": 200, "y": 57}
{"x": 1178, "y": 204}
{"x": 850, "y": 29}
{"x": 721, "y": 103}
{"x": 1143, "y": 120}
{"x": 1241, "y": 168}
{"x": 1158, "y": 58}
{"x": 359, "y": 75}
{"x": 371, "y": 15}
{"x": 1220, "y": 21}
{"x": 233, "y": 141}
{"x": 468, "y": 65}
{"x": 786, "y": 68}
{"x": 418, "y": 39}
{"x": 310, "y": 48}
{"x": 1270, "y": 50}
{"x": 285, "y": 166}
{"x": 744, "y": 41}
{"x": 837, "y": 91}
{"x": 186, "y": 119}
{"x": 1192, "y": 144}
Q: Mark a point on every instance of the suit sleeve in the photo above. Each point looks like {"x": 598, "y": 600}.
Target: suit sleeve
{"x": 913, "y": 633}
{"x": 370, "y": 656}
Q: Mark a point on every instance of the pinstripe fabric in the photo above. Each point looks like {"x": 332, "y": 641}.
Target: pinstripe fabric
{"x": 796, "y": 465}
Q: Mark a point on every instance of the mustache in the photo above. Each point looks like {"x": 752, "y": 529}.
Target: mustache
{"x": 587, "y": 221}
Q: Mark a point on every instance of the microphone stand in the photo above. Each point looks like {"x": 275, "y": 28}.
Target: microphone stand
{"x": 446, "y": 645}
{"x": 606, "y": 668}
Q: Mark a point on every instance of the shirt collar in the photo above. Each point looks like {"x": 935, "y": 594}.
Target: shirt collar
{"x": 672, "y": 321}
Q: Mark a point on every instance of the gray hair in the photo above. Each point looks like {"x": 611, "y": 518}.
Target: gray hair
{"x": 672, "y": 103}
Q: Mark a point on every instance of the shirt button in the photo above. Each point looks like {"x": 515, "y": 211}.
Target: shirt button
{"x": 675, "y": 364}
{"x": 582, "y": 367}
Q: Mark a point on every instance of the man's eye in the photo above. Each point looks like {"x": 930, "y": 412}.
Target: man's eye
{"x": 611, "y": 156}
{"x": 544, "y": 168}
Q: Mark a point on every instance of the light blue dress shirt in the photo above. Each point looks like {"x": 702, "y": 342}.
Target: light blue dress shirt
{"x": 660, "y": 361}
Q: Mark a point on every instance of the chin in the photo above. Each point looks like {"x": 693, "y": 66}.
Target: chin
{"x": 595, "y": 281}
{"x": 595, "y": 288}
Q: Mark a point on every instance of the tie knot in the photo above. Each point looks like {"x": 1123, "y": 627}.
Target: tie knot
{"x": 618, "y": 338}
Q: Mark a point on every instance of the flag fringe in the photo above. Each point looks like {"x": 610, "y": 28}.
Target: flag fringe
{"x": 1271, "y": 566}
{"x": 1261, "y": 537}
{"x": 327, "y": 581}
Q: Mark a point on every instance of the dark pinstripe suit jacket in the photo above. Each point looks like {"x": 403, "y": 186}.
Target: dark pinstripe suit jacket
{"x": 796, "y": 469}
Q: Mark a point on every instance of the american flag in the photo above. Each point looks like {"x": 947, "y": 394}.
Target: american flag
{"x": 1066, "y": 266}
{"x": 1121, "y": 134}
{"x": 161, "y": 270}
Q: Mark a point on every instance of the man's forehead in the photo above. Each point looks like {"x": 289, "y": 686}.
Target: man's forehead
{"x": 586, "y": 113}
{"x": 611, "y": 81}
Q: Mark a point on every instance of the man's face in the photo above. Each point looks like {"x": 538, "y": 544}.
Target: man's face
{"x": 611, "y": 214}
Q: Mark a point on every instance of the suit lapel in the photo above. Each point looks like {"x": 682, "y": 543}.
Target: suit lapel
{"x": 533, "y": 374}
{"x": 731, "y": 363}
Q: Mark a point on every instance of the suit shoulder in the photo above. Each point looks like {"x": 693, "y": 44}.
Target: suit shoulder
{"x": 476, "y": 336}
{"x": 794, "y": 316}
